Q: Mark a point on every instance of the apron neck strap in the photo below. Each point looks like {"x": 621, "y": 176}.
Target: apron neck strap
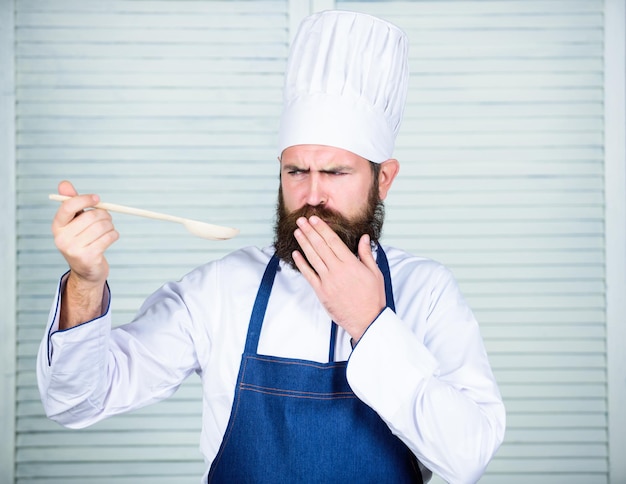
{"x": 383, "y": 265}
{"x": 260, "y": 305}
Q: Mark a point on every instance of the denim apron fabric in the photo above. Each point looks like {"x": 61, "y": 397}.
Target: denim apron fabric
{"x": 298, "y": 421}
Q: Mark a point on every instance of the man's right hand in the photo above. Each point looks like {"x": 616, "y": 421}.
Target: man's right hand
{"x": 82, "y": 236}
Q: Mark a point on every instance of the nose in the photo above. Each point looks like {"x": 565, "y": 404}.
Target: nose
{"x": 316, "y": 193}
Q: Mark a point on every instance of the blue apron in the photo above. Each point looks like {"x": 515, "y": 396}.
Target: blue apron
{"x": 298, "y": 421}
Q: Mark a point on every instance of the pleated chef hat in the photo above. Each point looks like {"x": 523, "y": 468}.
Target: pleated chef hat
{"x": 345, "y": 85}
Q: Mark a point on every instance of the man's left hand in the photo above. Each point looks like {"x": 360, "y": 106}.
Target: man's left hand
{"x": 351, "y": 289}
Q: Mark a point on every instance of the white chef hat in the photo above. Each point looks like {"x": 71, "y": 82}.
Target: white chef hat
{"x": 346, "y": 84}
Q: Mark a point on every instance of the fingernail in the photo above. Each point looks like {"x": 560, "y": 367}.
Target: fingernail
{"x": 314, "y": 219}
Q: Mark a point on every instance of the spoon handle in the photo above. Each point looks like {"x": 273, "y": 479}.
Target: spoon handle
{"x": 113, "y": 207}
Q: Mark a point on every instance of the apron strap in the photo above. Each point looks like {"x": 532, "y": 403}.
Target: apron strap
{"x": 260, "y": 304}
{"x": 333, "y": 342}
{"x": 383, "y": 265}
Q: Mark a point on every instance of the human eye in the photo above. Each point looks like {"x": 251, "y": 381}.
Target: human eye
{"x": 336, "y": 172}
{"x": 294, "y": 172}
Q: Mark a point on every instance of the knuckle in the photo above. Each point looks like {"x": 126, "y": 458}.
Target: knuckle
{"x": 60, "y": 239}
{"x": 73, "y": 252}
{"x": 89, "y": 215}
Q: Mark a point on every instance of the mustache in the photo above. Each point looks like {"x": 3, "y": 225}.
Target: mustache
{"x": 334, "y": 219}
{"x": 349, "y": 229}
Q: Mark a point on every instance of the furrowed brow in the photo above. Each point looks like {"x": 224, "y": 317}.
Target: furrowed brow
{"x": 292, "y": 167}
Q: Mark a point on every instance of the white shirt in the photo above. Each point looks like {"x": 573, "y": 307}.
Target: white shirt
{"x": 423, "y": 369}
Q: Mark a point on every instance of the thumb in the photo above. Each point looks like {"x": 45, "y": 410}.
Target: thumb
{"x": 365, "y": 252}
{"x": 67, "y": 189}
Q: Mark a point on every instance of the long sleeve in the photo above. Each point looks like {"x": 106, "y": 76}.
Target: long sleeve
{"x": 425, "y": 371}
{"x": 92, "y": 371}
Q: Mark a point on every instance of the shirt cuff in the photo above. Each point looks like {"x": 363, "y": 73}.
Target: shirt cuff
{"x": 388, "y": 365}
{"x": 55, "y": 314}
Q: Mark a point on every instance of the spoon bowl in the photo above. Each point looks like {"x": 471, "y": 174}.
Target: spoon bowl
{"x": 209, "y": 231}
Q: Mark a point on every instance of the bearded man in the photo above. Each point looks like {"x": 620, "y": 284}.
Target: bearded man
{"x": 324, "y": 357}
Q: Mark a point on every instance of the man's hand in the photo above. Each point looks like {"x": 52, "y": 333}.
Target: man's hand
{"x": 351, "y": 290}
{"x": 82, "y": 236}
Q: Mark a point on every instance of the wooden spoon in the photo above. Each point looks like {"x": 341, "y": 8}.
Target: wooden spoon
{"x": 201, "y": 229}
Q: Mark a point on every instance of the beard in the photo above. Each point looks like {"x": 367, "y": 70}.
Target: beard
{"x": 349, "y": 230}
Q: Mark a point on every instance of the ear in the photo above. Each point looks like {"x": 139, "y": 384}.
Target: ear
{"x": 388, "y": 171}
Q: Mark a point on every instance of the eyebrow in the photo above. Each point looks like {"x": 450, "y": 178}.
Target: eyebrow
{"x": 331, "y": 169}
{"x": 292, "y": 167}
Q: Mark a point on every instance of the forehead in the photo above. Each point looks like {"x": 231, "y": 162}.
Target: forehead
{"x": 320, "y": 155}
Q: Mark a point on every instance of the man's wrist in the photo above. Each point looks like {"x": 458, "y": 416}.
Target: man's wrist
{"x": 81, "y": 301}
